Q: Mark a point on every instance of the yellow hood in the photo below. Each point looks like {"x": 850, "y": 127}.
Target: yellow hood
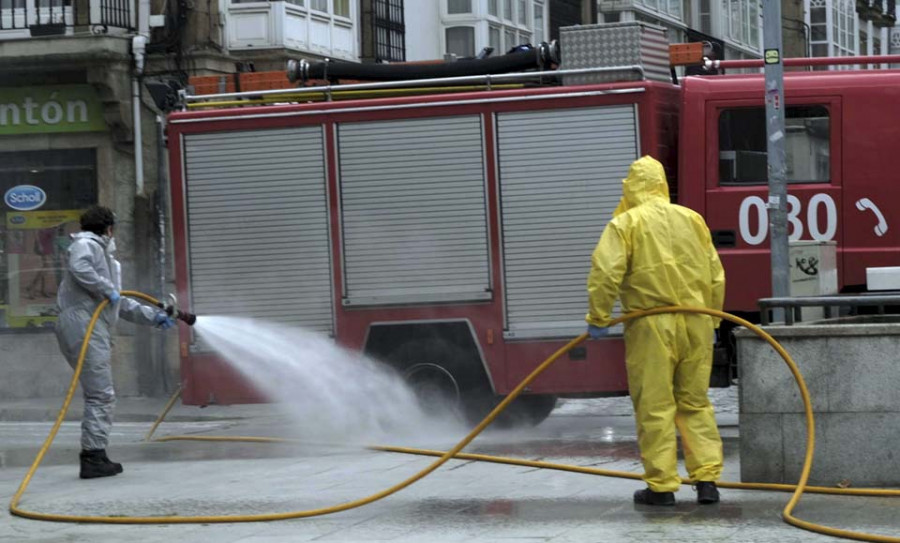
{"x": 646, "y": 180}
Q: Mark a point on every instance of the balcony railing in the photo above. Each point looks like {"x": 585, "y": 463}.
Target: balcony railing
{"x": 60, "y": 17}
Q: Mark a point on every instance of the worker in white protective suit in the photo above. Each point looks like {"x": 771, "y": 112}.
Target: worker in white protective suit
{"x": 91, "y": 275}
{"x": 653, "y": 254}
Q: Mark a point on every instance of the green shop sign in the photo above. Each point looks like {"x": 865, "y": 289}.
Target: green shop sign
{"x": 38, "y": 110}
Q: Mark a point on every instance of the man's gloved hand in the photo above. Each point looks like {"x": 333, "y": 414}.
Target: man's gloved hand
{"x": 597, "y": 332}
{"x": 114, "y": 297}
{"x": 164, "y": 321}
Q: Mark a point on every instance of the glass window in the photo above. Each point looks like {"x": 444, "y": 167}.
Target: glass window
{"x": 461, "y": 41}
{"x": 674, "y": 9}
{"x": 459, "y": 6}
{"x": 493, "y": 7}
{"x": 508, "y": 9}
{"x": 705, "y": 12}
{"x": 818, "y": 25}
{"x": 523, "y": 12}
{"x": 538, "y": 22}
{"x": 754, "y": 24}
{"x": 319, "y": 5}
{"x": 743, "y": 153}
{"x": 342, "y": 8}
{"x": 494, "y": 39}
{"x": 390, "y": 31}
{"x": 524, "y": 37}
{"x": 33, "y": 243}
{"x": 509, "y": 38}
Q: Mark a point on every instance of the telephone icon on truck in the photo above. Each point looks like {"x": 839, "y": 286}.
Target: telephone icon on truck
{"x": 866, "y": 204}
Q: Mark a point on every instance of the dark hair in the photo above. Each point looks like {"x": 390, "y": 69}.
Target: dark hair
{"x": 97, "y": 219}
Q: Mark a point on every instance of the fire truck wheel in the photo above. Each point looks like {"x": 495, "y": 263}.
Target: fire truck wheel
{"x": 445, "y": 377}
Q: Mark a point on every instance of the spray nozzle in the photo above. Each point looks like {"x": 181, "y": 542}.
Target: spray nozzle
{"x": 172, "y": 310}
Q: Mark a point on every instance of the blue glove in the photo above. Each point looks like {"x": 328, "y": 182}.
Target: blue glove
{"x": 164, "y": 321}
{"x": 114, "y": 297}
{"x": 597, "y": 332}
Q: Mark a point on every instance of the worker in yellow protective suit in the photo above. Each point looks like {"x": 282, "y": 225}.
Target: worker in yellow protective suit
{"x": 654, "y": 254}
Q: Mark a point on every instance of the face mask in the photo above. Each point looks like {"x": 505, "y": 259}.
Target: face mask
{"x": 110, "y": 244}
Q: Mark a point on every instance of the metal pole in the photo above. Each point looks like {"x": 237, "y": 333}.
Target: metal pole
{"x": 774, "y": 70}
{"x": 161, "y": 201}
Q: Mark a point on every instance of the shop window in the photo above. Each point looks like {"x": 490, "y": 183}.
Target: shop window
{"x": 461, "y": 41}
{"x": 743, "y": 156}
{"x": 45, "y": 193}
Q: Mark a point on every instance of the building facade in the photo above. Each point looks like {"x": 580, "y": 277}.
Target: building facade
{"x": 463, "y": 28}
{"x": 67, "y": 140}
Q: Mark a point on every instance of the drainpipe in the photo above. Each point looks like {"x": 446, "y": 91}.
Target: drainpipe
{"x": 161, "y": 201}
{"x": 139, "y": 49}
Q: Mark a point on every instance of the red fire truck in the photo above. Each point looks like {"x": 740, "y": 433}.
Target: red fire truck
{"x": 449, "y": 234}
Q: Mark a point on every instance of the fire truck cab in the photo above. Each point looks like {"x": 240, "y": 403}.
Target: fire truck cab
{"x": 842, "y": 177}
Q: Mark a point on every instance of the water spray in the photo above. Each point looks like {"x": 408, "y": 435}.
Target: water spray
{"x": 172, "y": 310}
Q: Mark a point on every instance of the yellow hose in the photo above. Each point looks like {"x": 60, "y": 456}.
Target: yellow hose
{"x": 454, "y": 452}
{"x": 322, "y": 96}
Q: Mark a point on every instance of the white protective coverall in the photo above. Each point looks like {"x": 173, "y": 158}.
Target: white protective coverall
{"x": 91, "y": 274}
{"x": 654, "y": 254}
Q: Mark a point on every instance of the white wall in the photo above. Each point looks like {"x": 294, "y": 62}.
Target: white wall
{"x": 423, "y": 29}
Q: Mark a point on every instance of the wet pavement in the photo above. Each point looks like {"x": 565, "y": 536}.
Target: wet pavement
{"x": 462, "y": 501}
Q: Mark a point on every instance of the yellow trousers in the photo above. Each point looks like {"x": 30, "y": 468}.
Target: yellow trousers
{"x": 669, "y": 359}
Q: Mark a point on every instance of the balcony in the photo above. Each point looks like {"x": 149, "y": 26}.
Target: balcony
{"x": 284, "y": 25}
{"x": 32, "y": 18}
{"x": 882, "y": 13}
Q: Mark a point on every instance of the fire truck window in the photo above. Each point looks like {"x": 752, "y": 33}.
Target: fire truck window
{"x": 742, "y": 145}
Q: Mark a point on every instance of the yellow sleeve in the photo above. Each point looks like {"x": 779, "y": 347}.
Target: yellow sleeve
{"x": 608, "y": 265}
{"x": 716, "y": 274}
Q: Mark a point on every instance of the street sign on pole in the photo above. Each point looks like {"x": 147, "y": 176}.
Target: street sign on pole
{"x": 777, "y": 204}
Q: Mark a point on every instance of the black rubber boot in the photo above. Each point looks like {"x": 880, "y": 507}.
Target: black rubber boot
{"x": 707, "y": 492}
{"x": 116, "y": 465}
{"x": 95, "y": 463}
{"x": 648, "y": 497}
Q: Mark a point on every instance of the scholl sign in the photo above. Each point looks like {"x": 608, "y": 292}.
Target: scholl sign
{"x": 25, "y": 197}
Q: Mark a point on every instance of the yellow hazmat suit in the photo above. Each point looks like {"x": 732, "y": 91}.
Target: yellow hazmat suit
{"x": 653, "y": 254}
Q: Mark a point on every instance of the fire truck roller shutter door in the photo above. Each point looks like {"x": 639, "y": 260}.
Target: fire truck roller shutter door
{"x": 414, "y": 211}
{"x": 259, "y": 196}
{"x": 560, "y": 180}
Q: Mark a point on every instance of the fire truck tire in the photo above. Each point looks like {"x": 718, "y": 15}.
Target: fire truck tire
{"x": 445, "y": 377}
